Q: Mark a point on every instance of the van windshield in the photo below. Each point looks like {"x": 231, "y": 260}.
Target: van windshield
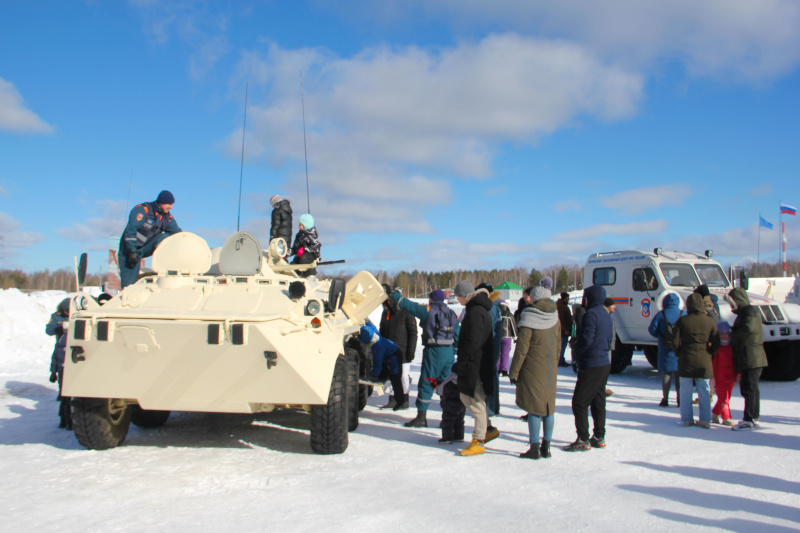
{"x": 712, "y": 275}
{"x": 679, "y": 274}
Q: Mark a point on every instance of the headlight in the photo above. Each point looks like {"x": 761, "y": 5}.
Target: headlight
{"x": 81, "y": 303}
{"x": 277, "y": 249}
{"x": 313, "y": 308}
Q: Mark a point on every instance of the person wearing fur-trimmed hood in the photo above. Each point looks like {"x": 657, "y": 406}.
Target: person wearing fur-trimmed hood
{"x": 749, "y": 357}
{"x": 534, "y": 369}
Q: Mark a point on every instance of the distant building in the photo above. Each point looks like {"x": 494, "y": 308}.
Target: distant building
{"x": 509, "y": 291}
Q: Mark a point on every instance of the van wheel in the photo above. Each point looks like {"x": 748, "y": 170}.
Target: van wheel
{"x": 329, "y": 421}
{"x": 100, "y": 423}
{"x": 783, "y": 360}
{"x": 353, "y": 389}
{"x": 651, "y": 353}
{"x": 146, "y": 418}
{"x": 621, "y": 357}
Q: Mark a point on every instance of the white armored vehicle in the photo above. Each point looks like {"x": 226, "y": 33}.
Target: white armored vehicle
{"x": 638, "y": 281}
{"x": 233, "y": 330}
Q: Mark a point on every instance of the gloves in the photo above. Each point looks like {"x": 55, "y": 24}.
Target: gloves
{"x": 59, "y": 331}
{"x": 300, "y": 252}
{"x": 53, "y": 377}
{"x": 395, "y": 297}
{"x": 513, "y": 381}
{"x": 132, "y": 259}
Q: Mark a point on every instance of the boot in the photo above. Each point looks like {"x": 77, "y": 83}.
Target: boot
{"x": 475, "y": 448}
{"x": 545, "y": 449}
{"x": 391, "y": 405}
{"x": 420, "y": 422}
{"x": 533, "y": 453}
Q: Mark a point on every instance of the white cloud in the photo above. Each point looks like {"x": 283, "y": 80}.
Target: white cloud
{"x": 762, "y": 189}
{"x": 11, "y": 238}
{"x": 96, "y": 230}
{"x": 650, "y": 227}
{"x": 636, "y": 201}
{"x": 3, "y": 191}
{"x": 567, "y": 205}
{"x": 14, "y": 116}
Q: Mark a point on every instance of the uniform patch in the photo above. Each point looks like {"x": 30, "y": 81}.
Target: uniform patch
{"x": 140, "y": 216}
{"x": 645, "y": 308}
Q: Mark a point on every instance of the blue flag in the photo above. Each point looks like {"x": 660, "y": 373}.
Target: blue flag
{"x": 764, "y": 223}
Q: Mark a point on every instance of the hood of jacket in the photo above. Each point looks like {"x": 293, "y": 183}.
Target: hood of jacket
{"x": 671, "y": 301}
{"x": 543, "y": 314}
{"x": 479, "y": 297}
{"x": 694, "y": 304}
{"x": 740, "y": 298}
{"x": 595, "y": 296}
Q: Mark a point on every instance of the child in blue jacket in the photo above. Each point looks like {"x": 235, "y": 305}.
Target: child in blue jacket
{"x": 385, "y": 361}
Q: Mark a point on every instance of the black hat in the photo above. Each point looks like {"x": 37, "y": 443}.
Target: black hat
{"x": 609, "y": 302}
{"x": 703, "y": 291}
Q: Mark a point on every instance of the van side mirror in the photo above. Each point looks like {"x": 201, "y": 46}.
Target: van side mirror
{"x": 743, "y": 281}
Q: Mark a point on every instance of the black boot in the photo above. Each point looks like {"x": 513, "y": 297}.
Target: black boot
{"x": 533, "y": 453}
{"x": 420, "y": 422}
{"x": 545, "y": 449}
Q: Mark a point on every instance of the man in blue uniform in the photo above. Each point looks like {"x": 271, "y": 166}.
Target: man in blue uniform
{"x": 148, "y": 224}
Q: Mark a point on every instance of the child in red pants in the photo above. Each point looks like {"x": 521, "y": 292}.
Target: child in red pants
{"x": 724, "y": 377}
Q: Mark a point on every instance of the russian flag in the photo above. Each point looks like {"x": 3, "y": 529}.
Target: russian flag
{"x": 788, "y": 210}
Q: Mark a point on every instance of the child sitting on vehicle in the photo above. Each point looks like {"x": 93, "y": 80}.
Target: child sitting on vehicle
{"x": 306, "y": 247}
{"x": 385, "y": 361}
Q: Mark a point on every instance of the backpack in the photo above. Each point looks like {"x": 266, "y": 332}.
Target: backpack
{"x": 440, "y": 327}
{"x": 669, "y": 329}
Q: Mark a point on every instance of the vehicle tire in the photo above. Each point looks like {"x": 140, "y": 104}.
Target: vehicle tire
{"x": 146, "y": 418}
{"x": 100, "y": 423}
{"x": 651, "y": 353}
{"x": 329, "y": 421}
{"x": 621, "y": 357}
{"x": 783, "y": 360}
{"x": 352, "y": 389}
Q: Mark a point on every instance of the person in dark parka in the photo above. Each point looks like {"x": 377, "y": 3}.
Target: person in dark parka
{"x": 56, "y": 328}
{"x": 400, "y": 327}
{"x": 591, "y": 355}
{"x": 306, "y": 247}
{"x": 281, "y": 226}
{"x": 667, "y": 360}
{"x": 695, "y": 340}
{"x": 749, "y": 358}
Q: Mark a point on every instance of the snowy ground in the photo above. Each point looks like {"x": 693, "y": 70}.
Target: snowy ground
{"x": 211, "y": 472}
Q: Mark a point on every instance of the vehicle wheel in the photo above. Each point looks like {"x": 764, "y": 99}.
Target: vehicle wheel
{"x": 145, "y": 418}
{"x": 100, "y": 423}
{"x": 783, "y": 360}
{"x": 621, "y": 357}
{"x": 651, "y": 353}
{"x": 352, "y": 389}
{"x": 329, "y": 421}
{"x": 364, "y": 391}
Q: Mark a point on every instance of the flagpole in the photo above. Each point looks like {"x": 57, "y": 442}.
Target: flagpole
{"x": 758, "y": 257}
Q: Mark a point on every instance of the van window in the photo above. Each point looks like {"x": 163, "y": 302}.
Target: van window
{"x": 711, "y": 274}
{"x": 604, "y": 276}
{"x": 644, "y": 279}
{"x": 680, "y": 275}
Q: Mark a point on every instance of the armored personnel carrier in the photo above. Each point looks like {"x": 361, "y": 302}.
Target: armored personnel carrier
{"x": 230, "y": 330}
{"x": 638, "y": 281}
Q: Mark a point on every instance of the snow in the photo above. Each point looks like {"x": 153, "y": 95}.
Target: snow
{"x": 215, "y": 472}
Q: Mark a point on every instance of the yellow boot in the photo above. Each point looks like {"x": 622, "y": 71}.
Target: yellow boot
{"x": 475, "y": 448}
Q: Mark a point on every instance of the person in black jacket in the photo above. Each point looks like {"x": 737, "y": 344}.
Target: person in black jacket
{"x": 281, "y": 219}
{"x": 400, "y": 327}
{"x": 475, "y": 365}
{"x": 591, "y": 354}
{"x": 306, "y": 247}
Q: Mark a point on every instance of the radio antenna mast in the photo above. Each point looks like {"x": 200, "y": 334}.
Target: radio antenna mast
{"x": 305, "y": 146}
{"x": 241, "y": 170}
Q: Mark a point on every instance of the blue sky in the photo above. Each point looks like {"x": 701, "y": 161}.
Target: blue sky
{"x": 442, "y": 134}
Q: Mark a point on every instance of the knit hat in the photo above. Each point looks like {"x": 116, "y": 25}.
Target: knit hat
{"x": 63, "y": 306}
{"x": 275, "y": 199}
{"x": 608, "y": 302}
{"x": 307, "y": 221}
{"x": 565, "y": 296}
{"x": 547, "y": 283}
{"x": 724, "y": 327}
{"x": 463, "y": 288}
{"x": 165, "y": 198}
{"x": 540, "y": 293}
{"x": 438, "y": 295}
{"x": 484, "y": 285}
{"x": 703, "y": 291}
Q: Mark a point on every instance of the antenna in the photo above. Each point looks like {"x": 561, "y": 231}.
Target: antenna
{"x": 241, "y": 170}
{"x": 305, "y": 147}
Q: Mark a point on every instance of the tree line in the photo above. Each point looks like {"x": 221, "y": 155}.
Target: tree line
{"x": 61, "y": 280}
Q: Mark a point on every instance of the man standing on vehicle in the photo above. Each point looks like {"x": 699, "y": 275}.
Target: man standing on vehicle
{"x": 400, "y": 327}
{"x": 591, "y": 354}
{"x": 148, "y": 224}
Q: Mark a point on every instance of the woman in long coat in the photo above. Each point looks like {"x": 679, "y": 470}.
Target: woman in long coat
{"x": 534, "y": 368}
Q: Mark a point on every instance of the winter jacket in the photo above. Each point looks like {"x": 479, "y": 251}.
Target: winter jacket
{"x": 696, "y": 340}
{"x": 667, "y": 360}
{"x": 438, "y": 353}
{"x": 145, "y": 222}
{"x": 711, "y": 307}
{"x": 281, "y": 222}
{"x": 55, "y": 327}
{"x": 594, "y": 340}
{"x": 747, "y": 333}
{"x": 400, "y": 327}
{"x": 475, "y": 349}
{"x": 307, "y": 240}
{"x": 564, "y": 317}
{"x": 508, "y": 328}
{"x": 535, "y": 363}
{"x": 384, "y": 351}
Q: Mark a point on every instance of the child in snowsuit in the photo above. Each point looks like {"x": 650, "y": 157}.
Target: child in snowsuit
{"x": 724, "y": 376}
{"x": 385, "y": 361}
{"x": 56, "y": 327}
{"x": 453, "y": 409}
{"x": 306, "y": 247}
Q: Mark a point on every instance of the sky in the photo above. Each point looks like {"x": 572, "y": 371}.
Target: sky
{"x": 440, "y": 134}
